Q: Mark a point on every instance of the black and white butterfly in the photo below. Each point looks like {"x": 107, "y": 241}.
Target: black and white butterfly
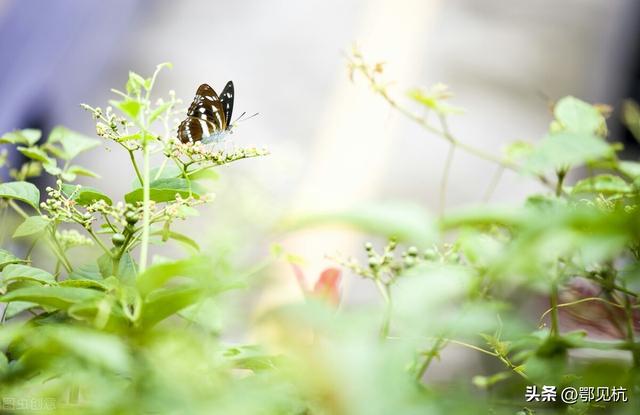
{"x": 209, "y": 115}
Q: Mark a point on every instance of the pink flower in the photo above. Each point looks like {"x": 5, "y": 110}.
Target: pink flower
{"x": 326, "y": 288}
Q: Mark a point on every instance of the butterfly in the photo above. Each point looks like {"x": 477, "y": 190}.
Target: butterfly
{"x": 209, "y": 115}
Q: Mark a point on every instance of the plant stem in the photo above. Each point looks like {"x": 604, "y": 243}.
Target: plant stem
{"x": 561, "y": 175}
{"x": 635, "y": 351}
{"x": 135, "y": 165}
{"x": 431, "y": 353}
{"x": 386, "y": 322}
{"x": 445, "y": 178}
{"x": 493, "y": 184}
{"x": 146, "y": 196}
{"x": 555, "y": 330}
{"x": 99, "y": 241}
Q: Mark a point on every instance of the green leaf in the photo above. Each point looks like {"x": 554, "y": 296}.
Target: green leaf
{"x": 22, "y": 191}
{"x": 86, "y": 271}
{"x": 485, "y": 382}
{"x": 165, "y": 190}
{"x": 407, "y": 222}
{"x": 578, "y": 116}
{"x": 34, "y": 153}
{"x": 73, "y": 143}
{"x": 32, "y": 225}
{"x": 631, "y": 117}
{"x": 127, "y": 268}
{"x": 57, "y": 297}
{"x": 159, "y": 111}
{"x": 51, "y": 167}
{"x": 85, "y": 195}
{"x": 83, "y": 283}
{"x": 629, "y": 168}
{"x": 130, "y": 137}
{"x": 562, "y": 150}
{"x": 102, "y": 349}
{"x": 75, "y": 170}
{"x": 518, "y": 150}
{"x": 135, "y": 83}
{"x": 606, "y": 184}
{"x": 158, "y": 274}
{"x": 191, "y": 245}
{"x": 170, "y": 171}
{"x": 129, "y": 107}
{"x": 16, "y": 307}
{"x": 26, "y": 137}
{"x": 165, "y": 302}
{"x": 7, "y": 258}
{"x": 19, "y": 272}
{"x": 207, "y": 174}
{"x": 251, "y": 357}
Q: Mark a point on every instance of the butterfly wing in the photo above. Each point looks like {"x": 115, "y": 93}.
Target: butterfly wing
{"x": 226, "y": 98}
{"x": 205, "y": 117}
{"x": 194, "y": 129}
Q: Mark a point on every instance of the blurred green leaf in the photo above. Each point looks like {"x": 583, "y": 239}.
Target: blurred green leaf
{"x": 85, "y": 195}
{"x": 16, "y": 307}
{"x": 73, "y": 143}
{"x": 578, "y": 116}
{"x": 16, "y": 272}
{"x": 564, "y": 150}
{"x": 158, "y": 274}
{"x": 81, "y": 171}
{"x": 27, "y": 137}
{"x": 34, "y": 153}
{"x": 22, "y": 191}
{"x": 518, "y": 150}
{"x": 32, "y": 225}
{"x": 165, "y": 190}
{"x": 607, "y": 184}
{"x": 485, "y": 382}
{"x": 164, "y": 302}
{"x": 126, "y": 271}
{"x": 158, "y": 111}
{"x": 86, "y": 271}
{"x": 191, "y": 245}
{"x": 135, "y": 83}
{"x": 7, "y": 258}
{"x": 129, "y": 107}
{"x": 170, "y": 171}
{"x": 103, "y": 349}
{"x": 631, "y": 117}
{"x": 57, "y": 297}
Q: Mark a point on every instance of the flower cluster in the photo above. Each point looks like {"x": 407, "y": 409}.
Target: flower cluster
{"x": 109, "y": 125}
{"x": 62, "y": 207}
{"x": 69, "y": 238}
{"x": 388, "y": 265}
{"x": 191, "y": 153}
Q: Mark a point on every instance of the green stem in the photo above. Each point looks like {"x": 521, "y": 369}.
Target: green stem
{"x": 561, "y": 175}
{"x": 146, "y": 196}
{"x": 431, "y": 353}
{"x": 493, "y": 184}
{"x": 386, "y": 322}
{"x": 635, "y": 352}
{"x": 135, "y": 165}
{"x": 99, "y": 242}
{"x": 445, "y": 178}
{"x": 555, "y": 326}
{"x": 59, "y": 251}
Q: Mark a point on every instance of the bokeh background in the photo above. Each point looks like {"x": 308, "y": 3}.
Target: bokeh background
{"x": 333, "y": 143}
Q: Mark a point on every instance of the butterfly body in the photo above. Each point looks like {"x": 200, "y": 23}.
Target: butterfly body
{"x": 209, "y": 115}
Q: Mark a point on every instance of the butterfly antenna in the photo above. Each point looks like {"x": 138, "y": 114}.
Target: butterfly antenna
{"x": 240, "y": 118}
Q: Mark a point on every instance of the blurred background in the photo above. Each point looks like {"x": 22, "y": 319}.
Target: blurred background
{"x": 333, "y": 143}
